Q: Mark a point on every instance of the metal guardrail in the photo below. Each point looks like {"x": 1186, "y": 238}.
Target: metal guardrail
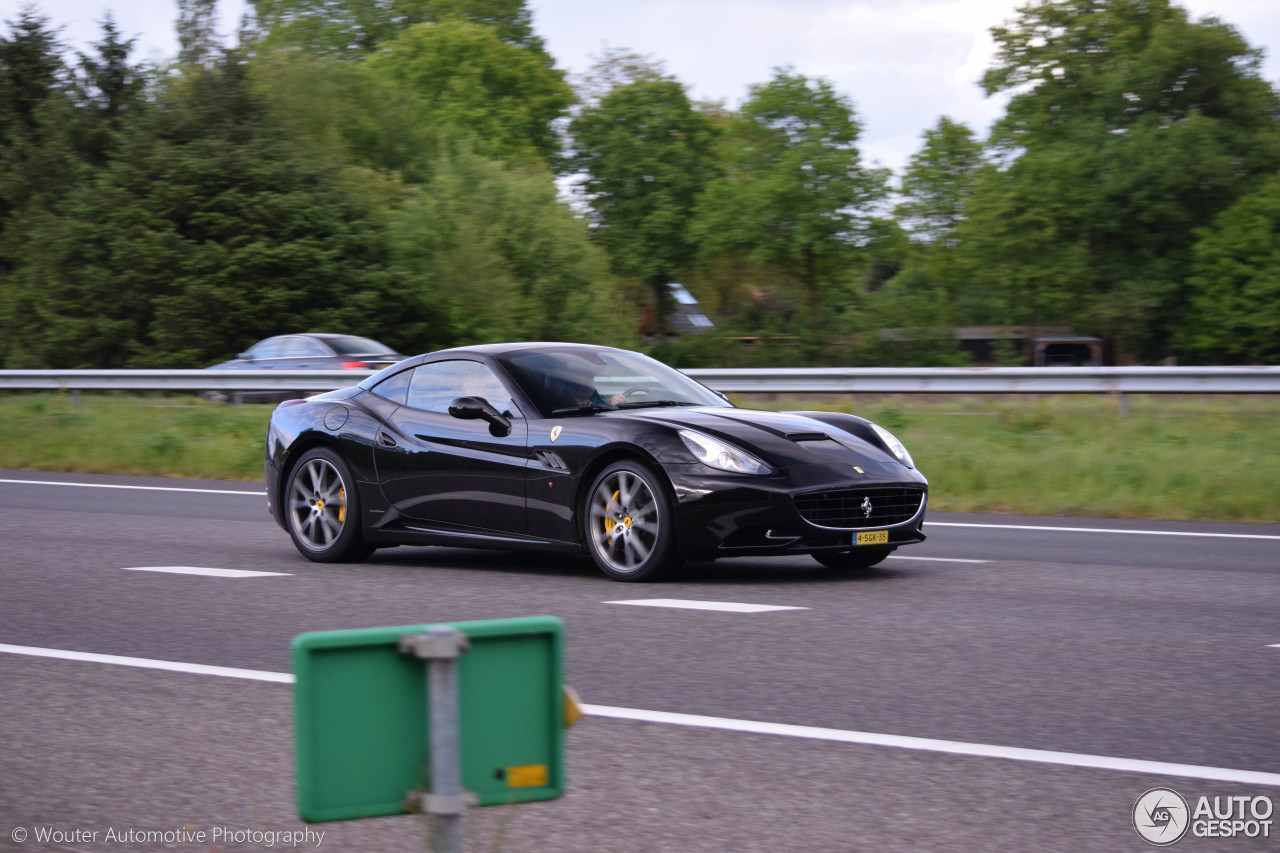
{"x": 229, "y": 381}
{"x": 996, "y": 380}
{"x": 802, "y": 380}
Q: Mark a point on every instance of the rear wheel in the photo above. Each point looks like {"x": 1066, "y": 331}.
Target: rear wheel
{"x": 628, "y": 523}
{"x": 853, "y": 560}
{"x": 323, "y": 510}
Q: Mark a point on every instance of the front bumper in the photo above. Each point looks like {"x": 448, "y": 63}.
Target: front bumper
{"x": 725, "y": 517}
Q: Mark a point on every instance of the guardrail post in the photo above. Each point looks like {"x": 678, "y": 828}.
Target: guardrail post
{"x": 441, "y": 647}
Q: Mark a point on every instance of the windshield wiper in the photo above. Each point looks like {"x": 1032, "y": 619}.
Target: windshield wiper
{"x": 587, "y": 409}
{"x": 641, "y": 404}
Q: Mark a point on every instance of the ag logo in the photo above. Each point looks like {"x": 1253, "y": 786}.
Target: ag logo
{"x": 1161, "y": 816}
{"x": 555, "y": 433}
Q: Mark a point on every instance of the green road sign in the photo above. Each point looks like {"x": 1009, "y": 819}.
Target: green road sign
{"x": 362, "y": 728}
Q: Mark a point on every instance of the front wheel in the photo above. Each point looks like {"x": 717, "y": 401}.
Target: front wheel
{"x": 628, "y": 524}
{"x": 855, "y": 560}
{"x": 322, "y": 509}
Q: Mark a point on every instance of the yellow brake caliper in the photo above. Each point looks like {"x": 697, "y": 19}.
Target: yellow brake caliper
{"x": 342, "y": 510}
{"x": 609, "y": 523}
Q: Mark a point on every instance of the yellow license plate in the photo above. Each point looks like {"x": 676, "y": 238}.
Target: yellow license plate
{"x": 872, "y": 537}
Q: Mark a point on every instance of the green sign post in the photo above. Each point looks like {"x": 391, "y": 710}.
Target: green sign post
{"x": 365, "y": 708}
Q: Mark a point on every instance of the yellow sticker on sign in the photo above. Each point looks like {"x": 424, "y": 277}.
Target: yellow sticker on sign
{"x": 527, "y": 776}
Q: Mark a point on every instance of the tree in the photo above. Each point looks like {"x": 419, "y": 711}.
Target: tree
{"x": 355, "y": 28}
{"x": 33, "y": 82}
{"x": 204, "y": 232}
{"x": 614, "y": 68}
{"x": 495, "y": 255}
{"x": 106, "y": 87}
{"x": 37, "y": 158}
{"x": 1129, "y": 127}
{"x": 197, "y": 37}
{"x": 1235, "y": 286}
{"x": 794, "y": 195}
{"x": 646, "y": 155}
{"x": 938, "y": 181}
{"x": 436, "y": 81}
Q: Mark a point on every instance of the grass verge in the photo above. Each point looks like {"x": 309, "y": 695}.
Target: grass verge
{"x": 1185, "y": 458}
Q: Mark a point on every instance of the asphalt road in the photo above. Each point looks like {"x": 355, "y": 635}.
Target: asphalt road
{"x": 1106, "y": 640}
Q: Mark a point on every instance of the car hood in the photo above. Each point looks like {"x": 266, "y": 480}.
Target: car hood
{"x": 782, "y": 439}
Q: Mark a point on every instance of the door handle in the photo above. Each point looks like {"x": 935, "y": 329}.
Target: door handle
{"x": 385, "y": 440}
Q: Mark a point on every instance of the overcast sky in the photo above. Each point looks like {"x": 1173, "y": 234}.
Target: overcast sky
{"x": 904, "y": 63}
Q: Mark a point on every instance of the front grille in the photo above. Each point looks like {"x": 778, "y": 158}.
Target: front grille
{"x": 847, "y": 507}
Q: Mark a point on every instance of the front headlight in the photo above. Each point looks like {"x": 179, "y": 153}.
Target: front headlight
{"x": 718, "y": 454}
{"x": 897, "y": 448}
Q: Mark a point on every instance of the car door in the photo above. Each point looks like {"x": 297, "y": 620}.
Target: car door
{"x": 453, "y": 474}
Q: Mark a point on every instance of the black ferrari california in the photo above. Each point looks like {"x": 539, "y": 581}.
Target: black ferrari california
{"x": 571, "y": 448}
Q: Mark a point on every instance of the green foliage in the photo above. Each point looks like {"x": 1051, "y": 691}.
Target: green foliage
{"x": 492, "y": 252}
{"x": 1129, "y": 128}
{"x": 794, "y": 195}
{"x": 646, "y": 155}
{"x": 1235, "y": 291}
{"x": 384, "y": 167}
{"x": 203, "y": 234}
{"x": 433, "y": 81}
{"x": 938, "y": 182}
{"x": 355, "y": 28}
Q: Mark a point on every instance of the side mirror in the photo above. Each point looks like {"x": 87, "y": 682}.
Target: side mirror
{"x": 244, "y": 355}
{"x": 478, "y": 408}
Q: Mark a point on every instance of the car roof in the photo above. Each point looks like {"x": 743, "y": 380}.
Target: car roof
{"x": 524, "y": 346}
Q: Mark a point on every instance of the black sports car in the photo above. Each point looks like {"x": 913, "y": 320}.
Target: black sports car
{"x": 571, "y": 448}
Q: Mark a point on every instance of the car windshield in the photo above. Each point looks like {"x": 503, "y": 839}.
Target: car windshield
{"x": 582, "y": 380}
{"x": 347, "y": 345}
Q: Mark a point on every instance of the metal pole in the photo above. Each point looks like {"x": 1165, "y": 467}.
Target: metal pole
{"x": 441, "y": 646}
{"x": 446, "y": 764}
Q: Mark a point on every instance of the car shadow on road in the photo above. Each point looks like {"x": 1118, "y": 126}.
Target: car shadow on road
{"x": 740, "y": 571}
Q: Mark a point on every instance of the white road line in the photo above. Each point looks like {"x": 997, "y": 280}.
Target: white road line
{"x": 930, "y": 523}
{"x": 724, "y": 606}
{"x": 1104, "y": 530}
{"x": 934, "y": 559}
{"x": 135, "y": 488}
{"x": 147, "y": 663}
{"x": 978, "y": 750}
{"x": 212, "y": 573}
{"x": 1274, "y": 646}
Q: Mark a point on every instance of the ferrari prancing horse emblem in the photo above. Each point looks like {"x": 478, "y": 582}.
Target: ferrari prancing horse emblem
{"x": 555, "y": 433}
{"x": 866, "y": 507}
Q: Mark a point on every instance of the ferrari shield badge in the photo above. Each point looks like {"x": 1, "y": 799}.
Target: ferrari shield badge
{"x": 555, "y": 433}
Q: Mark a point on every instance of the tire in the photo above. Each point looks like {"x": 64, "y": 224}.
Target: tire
{"x": 322, "y": 509}
{"x": 852, "y": 560}
{"x": 628, "y": 524}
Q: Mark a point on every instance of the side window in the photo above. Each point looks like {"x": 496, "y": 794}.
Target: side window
{"x": 295, "y": 347}
{"x": 312, "y": 347}
{"x": 270, "y": 348}
{"x": 435, "y": 386}
{"x": 395, "y": 387}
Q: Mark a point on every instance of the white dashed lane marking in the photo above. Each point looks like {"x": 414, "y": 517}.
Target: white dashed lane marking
{"x": 212, "y": 573}
{"x": 722, "y": 606}
{"x": 934, "y": 559}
